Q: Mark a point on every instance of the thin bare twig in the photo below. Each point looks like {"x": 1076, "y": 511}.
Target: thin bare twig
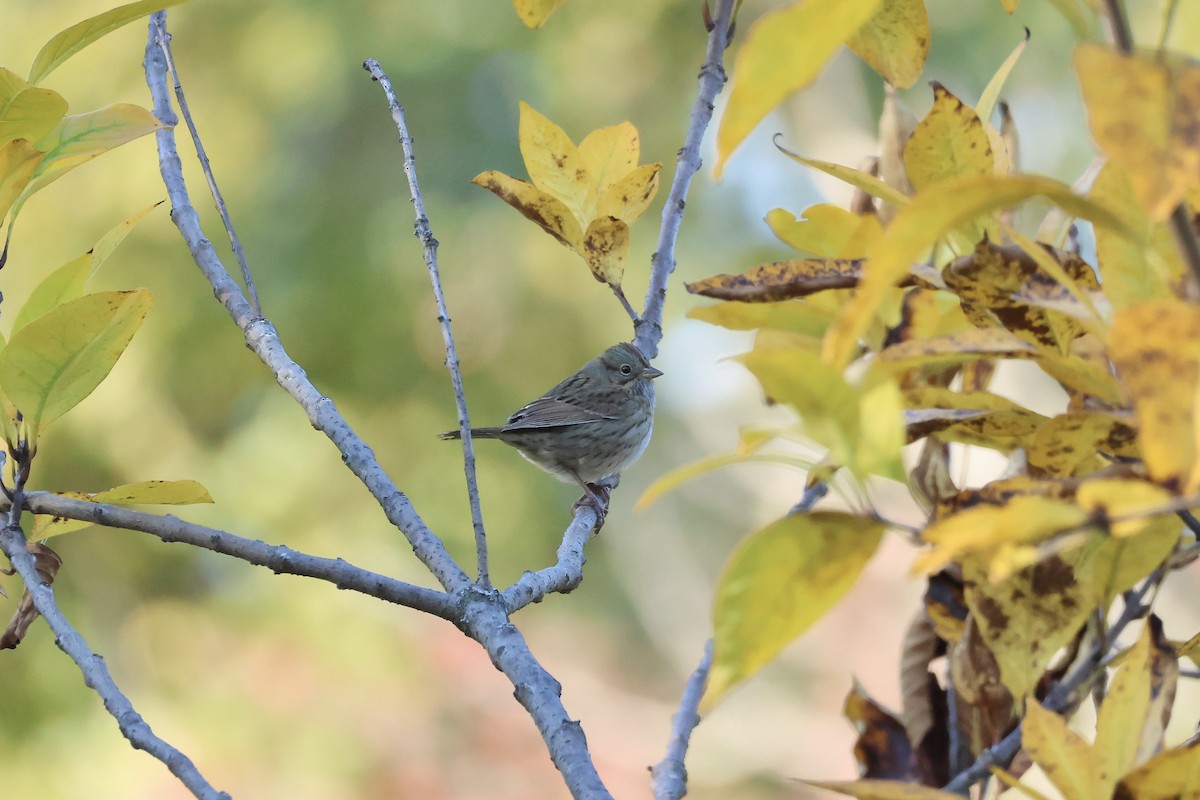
{"x": 95, "y": 672}
{"x": 629, "y": 309}
{"x": 670, "y": 774}
{"x": 430, "y": 244}
{"x": 262, "y": 338}
{"x": 662, "y": 264}
{"x": 235, "y": 242}
{"x": 279, "y": 559}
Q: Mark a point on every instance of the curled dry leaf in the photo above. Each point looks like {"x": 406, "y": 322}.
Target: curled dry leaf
{"x": 48, "y": 563}
{"x": 882, "y": 749}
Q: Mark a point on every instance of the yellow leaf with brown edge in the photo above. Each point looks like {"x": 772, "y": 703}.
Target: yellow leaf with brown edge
{"x": 534, "y": 13}
{"x": 882, "y": 749}
{"x": 605, "y": 248}
{"x": 884, "y": 790}
{"x": 1026, "y": 618}
{"x": 1171, "y": 775}
{"x": 545, "y": 210}
{"x": 1065, "y": 757}
{"x": 826, "y": 231}
{"x": 554, "y": 163}
{"x": 783, "y": 52}
{"x": 631, "y": 194}
{"x": 931, "y": 215}
{"x": 983, "y": 530}
{"x": 965, "y": 346}
{"x": 1155, "y": 347}
{"x": 1144, "y": 113}
{"x": 895, "y": 41}
{"x": 777, "y": 583}
{"x": 1134, "y": 269}
{"x": 1137, "y": 704}
{"x": 1071, "y": 440}
{"x": 950, "y": 142}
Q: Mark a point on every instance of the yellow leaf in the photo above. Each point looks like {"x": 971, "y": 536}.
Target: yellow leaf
{"x": 777, "y": 583}
{"x": 1062, "y": 754}
{"x": 1070, "y": 440}
{"x": 1026, "y": 618}
{"x": 933, "y": 214}
{"x": 948, "y": 143}
{"x": 27, "y": 112}
{"x": 67, "y": 43}
{"x": 1144, "y": 113}
{"x": 185, "y": 492}
{"x": 534, "y": 13}
{"x": 547, "y": 211}
{"x": 605, "y": 248}
{"x": 677, "y": 477}
{"x": 1121, "y": 561}
{"x": 1124, "y": 715}
{"x": 1146, "y": 266}
{"x": 884, "y": 790}
{"x": 855, "y": 177}
{"x": 609, "y": 154}
{"x": 991, "y": 92}
{"x": 1155, "y": 347}
{"x": 783, "y": 52}
{"x": 56, "y": 361}
{"x": 554, "y": 163}
{"x": 1009, "y": 5}
{"x": 788, "y": 315}
{"x": 1170, "y": 775}
{"x": 965, "y": 346}
{"x": 826, "y": 230}
{"x": 79, "y": 138}
{"x": 631, "y": 194}
{"x": 18, "y": 160}
{"x": 826, "y": 403}
{"x": 66, "y": 283}
{"x": 881, "y": 426}
{"x": 895, "y": 41}
{"x": 984, "y": 529}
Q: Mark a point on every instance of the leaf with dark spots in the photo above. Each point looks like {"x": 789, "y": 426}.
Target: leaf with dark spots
{"x": 882, "y": 749}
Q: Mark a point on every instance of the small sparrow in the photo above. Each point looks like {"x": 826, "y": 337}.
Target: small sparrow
{"x": 592, "y": 425}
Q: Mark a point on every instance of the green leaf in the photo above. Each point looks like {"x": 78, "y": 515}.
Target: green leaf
{"x": 79, "y": 138}
{"x": 27, "y": 112}
{"x": 57, "y": 360}
{"x": 67, "y": 43}
{"x": 18, "y": 160}
{"x": 778, "y": 582}
{"x": 66, "y": 283}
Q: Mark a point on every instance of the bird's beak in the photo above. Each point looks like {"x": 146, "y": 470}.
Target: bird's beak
{"x": 651, "y": 372}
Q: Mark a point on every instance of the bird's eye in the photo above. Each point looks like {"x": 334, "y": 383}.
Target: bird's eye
{"x": 626, "y": 369}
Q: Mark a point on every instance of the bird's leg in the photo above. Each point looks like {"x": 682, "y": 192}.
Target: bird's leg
{"x": 597, "y": 495}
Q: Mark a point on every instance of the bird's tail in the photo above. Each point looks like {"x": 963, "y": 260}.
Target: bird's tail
{"x": 477, "y": 433}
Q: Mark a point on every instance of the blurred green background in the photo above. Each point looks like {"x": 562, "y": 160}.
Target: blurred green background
{"x": 280, "y": 687}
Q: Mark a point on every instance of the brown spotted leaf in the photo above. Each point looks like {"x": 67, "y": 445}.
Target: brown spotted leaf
{"x": 924, "y": 712}
{"x": 542, "y": 208}
{"x": 1170, "y": 775}
{"x": 950, "y": 142}
{"x": 782, "y": 280}
{"x": 882, "y": 749}
{"x": 1069, "y": 441}
{"x": 48, "y": 563}
{"x": 985, "y": 706}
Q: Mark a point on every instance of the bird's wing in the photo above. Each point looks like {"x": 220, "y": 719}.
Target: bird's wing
{"x": 550, "y": 412}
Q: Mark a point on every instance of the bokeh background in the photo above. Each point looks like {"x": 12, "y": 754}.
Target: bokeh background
{"x": 280, "y": 687}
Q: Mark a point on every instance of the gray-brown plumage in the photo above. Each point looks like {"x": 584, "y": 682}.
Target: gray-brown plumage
{"x": 592, "y": 425}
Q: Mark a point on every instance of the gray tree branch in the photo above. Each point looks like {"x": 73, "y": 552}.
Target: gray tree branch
{"x": 263, "y": 340}
{"x": 95, "y": 672}
{"x": 277, "y": 558}
{"x": 670, "y": 774}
